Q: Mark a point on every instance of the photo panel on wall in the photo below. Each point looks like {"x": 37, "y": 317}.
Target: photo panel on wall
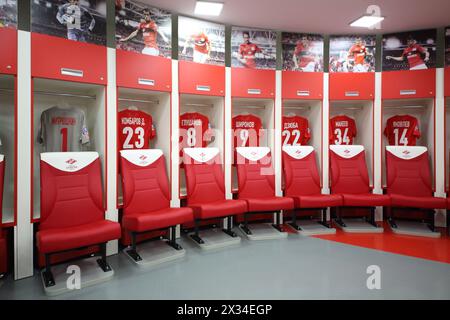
{"x": 353, "y": 53}
{"x": 144, "y": 29}
{"x": 83, "y": 21}
{"x": 302, "y": 52}
{"x": 8, "y": 14}
{"x": 201, "y": 41}
{"x": 415, "y": 50}
{"x": 253, "y": 48}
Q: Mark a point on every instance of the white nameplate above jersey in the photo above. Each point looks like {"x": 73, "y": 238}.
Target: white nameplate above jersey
{"x": 253, "y": 153}
{"x": 201, "y": 154}
{"x": 298, "y": 152}
{"x": 141, "y": 157}
{"x": 346, "y": 151}
{"x": 406, "y": 152}
{"x": 69, "y": 161}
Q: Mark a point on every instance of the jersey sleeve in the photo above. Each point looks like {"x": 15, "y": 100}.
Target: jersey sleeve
{"x": 354, "y": 128}
{"x": 84, "y": 134}
{"x": 307, "y": 131}
{"x": 416, "y": 132}
{"x": 330, "y": 132}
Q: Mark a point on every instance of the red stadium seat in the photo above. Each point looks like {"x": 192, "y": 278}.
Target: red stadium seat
{"x": 256, "y": 184}
{"x": 146, "y": 197}
{"x": 350, "y": 179}
{"x": 72, "y": 211}
{"x": 409, "y": 181}
{"x": 302, "y": 182}
{"x": 206, "y": 189}
{"x": 3, "y": 252}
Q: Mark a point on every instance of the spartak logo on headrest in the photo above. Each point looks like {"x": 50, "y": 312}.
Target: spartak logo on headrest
{"x": 202, "y": 155}
{"x": 71, "y": 164}
{"x": 298, "y": 152}
{"x": 143, "y": 159}
{"x": 406, "y": 153}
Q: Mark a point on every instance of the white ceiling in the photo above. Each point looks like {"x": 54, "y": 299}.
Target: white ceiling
{"x": 321, "y": 16}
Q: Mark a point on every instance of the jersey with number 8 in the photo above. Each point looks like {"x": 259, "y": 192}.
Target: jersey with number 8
{"x": 135, "y": 129}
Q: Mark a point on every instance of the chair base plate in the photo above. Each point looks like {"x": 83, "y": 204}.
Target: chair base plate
{"x": 263, "y": 231}
{"x": 413, "y": 228}
{"x": 215, "y": 238}
{"x": 358, "y": 225}
{"x": 154, "y": 253}
{"x": 313, "y": 228}
{"x": 90, "y": 274}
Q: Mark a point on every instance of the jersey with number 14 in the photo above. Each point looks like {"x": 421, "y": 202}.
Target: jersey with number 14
{"x": 342, "y": 130}
{"x": 402, "y": 130}
{"x": 135, "y": 129}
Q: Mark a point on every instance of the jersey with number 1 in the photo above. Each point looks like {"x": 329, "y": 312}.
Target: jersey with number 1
{"x": 295, "y": 131}
{"x": 195, "y": 131}
{"x": 402, "y": 130}
{"x": 342, "y": 130}
{"x": 135, "y": 129}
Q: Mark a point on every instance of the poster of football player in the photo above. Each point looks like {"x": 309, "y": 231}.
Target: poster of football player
{"x": 78, "y": 20}
{"x": 414, "y": 50}
{"x": 143, "y": 29}
{"x": 352, "y": 53}
{"x": 201, "y": 41}
{"x": 8, "y": 14}
{"x": 253, "y": 48}
{"x": 302, "y": 52}
{"x": 447, "y": 46}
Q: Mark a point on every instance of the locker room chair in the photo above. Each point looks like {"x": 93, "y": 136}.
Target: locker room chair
{"x": 3, "y": 252}
{"x": 256, "y": 185}
{"x": 146, "y": 197}
{"x": 72, "y": 210}
{"x": 408, "y": 180}
{"x": 206, "y": 189}
{"x": 350, "y": 179}
{"x": 302, "y": 183}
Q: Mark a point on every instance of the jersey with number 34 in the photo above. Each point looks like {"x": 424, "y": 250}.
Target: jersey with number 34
{"x": 135, "y": 129}
{"x": 342, "y": 130}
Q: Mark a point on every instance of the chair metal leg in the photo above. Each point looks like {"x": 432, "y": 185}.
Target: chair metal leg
{"x": 132, "y": 252}
{"x": 293, "y": 223}
{"x": 323, "y": 220}
{"x": 244, "y": 226}
{"x": 173, "y": 241}
{"x": 228, "y": 229}
{"x": 196, "y": 236}
{"x": 49, "y": 280}
{"x": 102, "y": 262}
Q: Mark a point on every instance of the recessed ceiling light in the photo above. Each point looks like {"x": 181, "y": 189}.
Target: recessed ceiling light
{"x": 208, "y": 8}
{"x": 366, "y": 21}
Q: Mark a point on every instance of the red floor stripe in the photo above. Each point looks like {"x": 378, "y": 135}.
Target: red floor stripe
{"x": 419, "y": 247}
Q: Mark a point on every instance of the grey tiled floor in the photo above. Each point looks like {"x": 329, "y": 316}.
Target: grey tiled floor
{"x": 293, "y": 268}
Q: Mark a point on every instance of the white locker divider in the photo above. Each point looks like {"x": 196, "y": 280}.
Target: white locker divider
{"x": 440, "y": 141}
{"x": 111, "y": 117}
{"x": 276, "y": 150}
{"x": 175, "y": 145}
{"x": 8, "y": 145}
{"x": 325, "y": 136}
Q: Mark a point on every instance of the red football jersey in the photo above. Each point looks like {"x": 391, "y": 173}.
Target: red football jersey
{"x": 295, "y": 131}
{"x": 358, "y": 53}
{"x": 246, "y": 129}
{"x": 200, "y": 42}
{"x": 342, "y": 130}
{"x": 135, "y": 129}
{"x": 149, "y": 35}
{"x": 402, "y": 130}
{"x": 248, "y": 51}
{"x": 413, "y": 54}
{"x": 195, "y": 131}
